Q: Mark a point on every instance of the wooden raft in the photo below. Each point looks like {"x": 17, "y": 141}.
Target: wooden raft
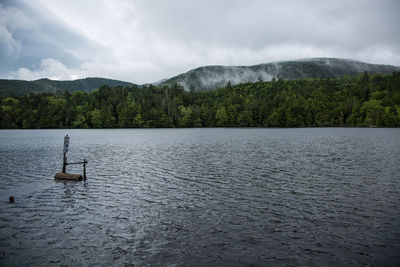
{"x": 68, "y": 176}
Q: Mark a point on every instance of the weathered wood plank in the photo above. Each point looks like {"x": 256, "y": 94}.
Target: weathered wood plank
{"x": 68, "y": 176}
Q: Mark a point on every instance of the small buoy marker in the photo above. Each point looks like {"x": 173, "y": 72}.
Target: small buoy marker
{"x": 68, "y": 176}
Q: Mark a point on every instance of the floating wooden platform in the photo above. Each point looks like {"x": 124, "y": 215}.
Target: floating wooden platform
{"x": 68, "y": 176}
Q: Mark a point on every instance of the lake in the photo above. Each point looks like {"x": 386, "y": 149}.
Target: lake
{"x": 195, "y": 197}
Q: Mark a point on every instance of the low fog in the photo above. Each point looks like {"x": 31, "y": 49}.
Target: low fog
{"x": 211, "y": 77}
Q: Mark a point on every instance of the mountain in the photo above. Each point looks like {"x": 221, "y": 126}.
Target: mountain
{"x": 212, "y": 77}
{"x": 20, "y": 87}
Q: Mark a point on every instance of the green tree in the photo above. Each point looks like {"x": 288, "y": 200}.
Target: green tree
{"x": 138, "y": 121}
{"x": 221, "y": 116}
{"x": 96, "y": 118}
{"x": 80, "y": 121}
{"x": 373, "y": 113}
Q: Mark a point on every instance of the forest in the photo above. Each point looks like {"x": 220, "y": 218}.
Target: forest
{"x": 362, "y": 101}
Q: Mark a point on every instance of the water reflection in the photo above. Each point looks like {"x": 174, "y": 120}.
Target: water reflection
{"x": 67, "y": 192}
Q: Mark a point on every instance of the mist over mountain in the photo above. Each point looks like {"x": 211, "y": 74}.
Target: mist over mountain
{"x": 20, "y": 87}
{"x": 212, "y": 77}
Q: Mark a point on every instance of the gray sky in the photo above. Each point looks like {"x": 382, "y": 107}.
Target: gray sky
{"x": 147, "y": 40}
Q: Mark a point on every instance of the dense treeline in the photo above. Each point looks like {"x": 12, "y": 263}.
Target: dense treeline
{"x": 349, "y": 101}
{"x": 20, "y": 87}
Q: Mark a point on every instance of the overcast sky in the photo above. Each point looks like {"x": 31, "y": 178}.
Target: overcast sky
{"x": 144, "y": 41}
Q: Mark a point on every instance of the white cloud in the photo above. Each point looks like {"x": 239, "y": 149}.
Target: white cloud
{"x": 49, "y": 68}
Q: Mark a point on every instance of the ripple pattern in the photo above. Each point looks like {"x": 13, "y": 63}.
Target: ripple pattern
{"x": 195, "y": 197}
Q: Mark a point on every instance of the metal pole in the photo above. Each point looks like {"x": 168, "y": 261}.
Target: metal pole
{"x": 84, "y": 168}
{"x": 64, "y": 168}
{"x": 65, "y": 148}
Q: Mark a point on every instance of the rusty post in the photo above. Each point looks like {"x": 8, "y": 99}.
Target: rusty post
{"x": 64, "y": 168}
{"x": 84, "y": 168}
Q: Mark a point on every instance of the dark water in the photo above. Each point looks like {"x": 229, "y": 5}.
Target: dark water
{"x": 189, "y": 197}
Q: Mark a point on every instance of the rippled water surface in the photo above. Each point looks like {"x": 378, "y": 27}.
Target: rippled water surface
{"x": 191, "y": 197}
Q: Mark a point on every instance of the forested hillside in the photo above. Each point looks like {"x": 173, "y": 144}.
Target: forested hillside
{"x": 365, "y": 100}
{"x": 20, "y": 87}
{"x": 213, "y": 77}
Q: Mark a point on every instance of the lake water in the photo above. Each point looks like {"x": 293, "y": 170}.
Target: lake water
{"x": 195, "y": 197}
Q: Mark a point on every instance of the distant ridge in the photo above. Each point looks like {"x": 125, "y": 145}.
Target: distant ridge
{"x": 212, "y": 77}
{"x": 20, "y": 87}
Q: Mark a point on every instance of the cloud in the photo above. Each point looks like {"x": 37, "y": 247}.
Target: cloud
{"x": 29, "y": 35}
{"x": 145, "y": 40}
{"x": 49, "y": 68}
{"x": 8, "y": 45}
{"x": 258, "y": 23}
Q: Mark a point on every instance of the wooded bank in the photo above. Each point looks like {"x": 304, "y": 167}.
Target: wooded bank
{"x": 365, "y": 100}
